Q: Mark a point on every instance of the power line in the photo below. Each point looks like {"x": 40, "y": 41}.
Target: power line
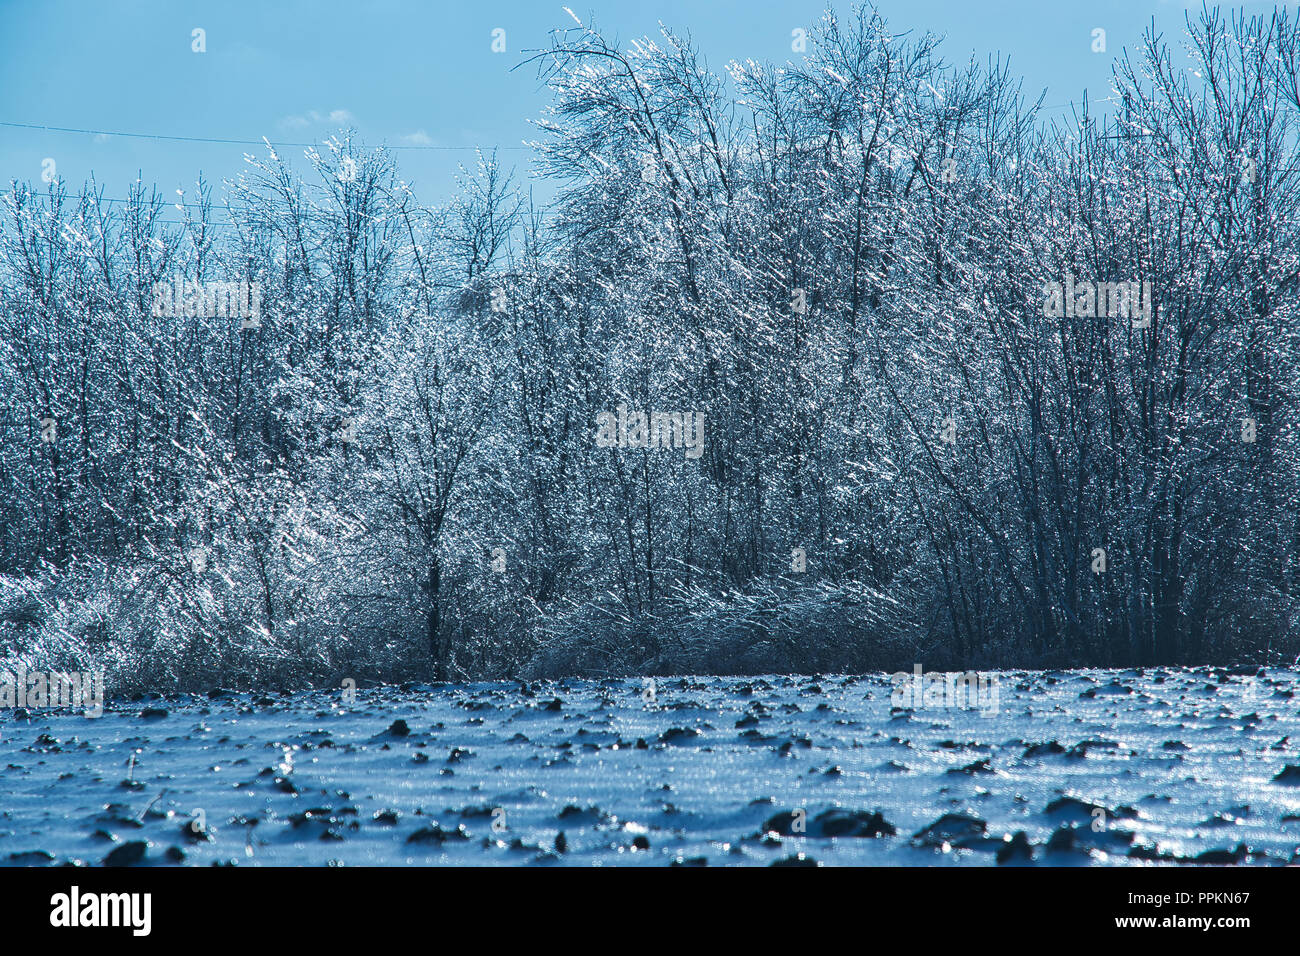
{"x": 226, "y": 141}
{"x": 230, "y": 141}
{"x": 277, "y": 203}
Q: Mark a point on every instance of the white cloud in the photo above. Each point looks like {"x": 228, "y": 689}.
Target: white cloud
{"x": 317, "y": 118}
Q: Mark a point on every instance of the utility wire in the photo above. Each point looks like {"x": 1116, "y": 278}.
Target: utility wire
{"x": 224, "y": 141}
{"x": 259, "y": 142}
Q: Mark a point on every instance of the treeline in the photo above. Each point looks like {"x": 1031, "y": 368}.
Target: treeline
{"x": 844, "y": 265}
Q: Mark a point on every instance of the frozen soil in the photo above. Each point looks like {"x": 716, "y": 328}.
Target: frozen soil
{"x": 1153, "y": 767}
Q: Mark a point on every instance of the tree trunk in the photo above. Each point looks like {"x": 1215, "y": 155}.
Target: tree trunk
{"x": 434, "y": 620}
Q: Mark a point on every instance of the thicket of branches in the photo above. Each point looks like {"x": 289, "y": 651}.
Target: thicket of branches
{"x": 840, "y": 262}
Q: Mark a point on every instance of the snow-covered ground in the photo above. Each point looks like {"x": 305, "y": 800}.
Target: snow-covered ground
{"x": 1101, "y": 767}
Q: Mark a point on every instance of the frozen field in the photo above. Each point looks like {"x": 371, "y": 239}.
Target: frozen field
{"x": 1075, "y": 768}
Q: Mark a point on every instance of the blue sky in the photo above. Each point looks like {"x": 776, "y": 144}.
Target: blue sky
{"x": 420, "y": 72}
